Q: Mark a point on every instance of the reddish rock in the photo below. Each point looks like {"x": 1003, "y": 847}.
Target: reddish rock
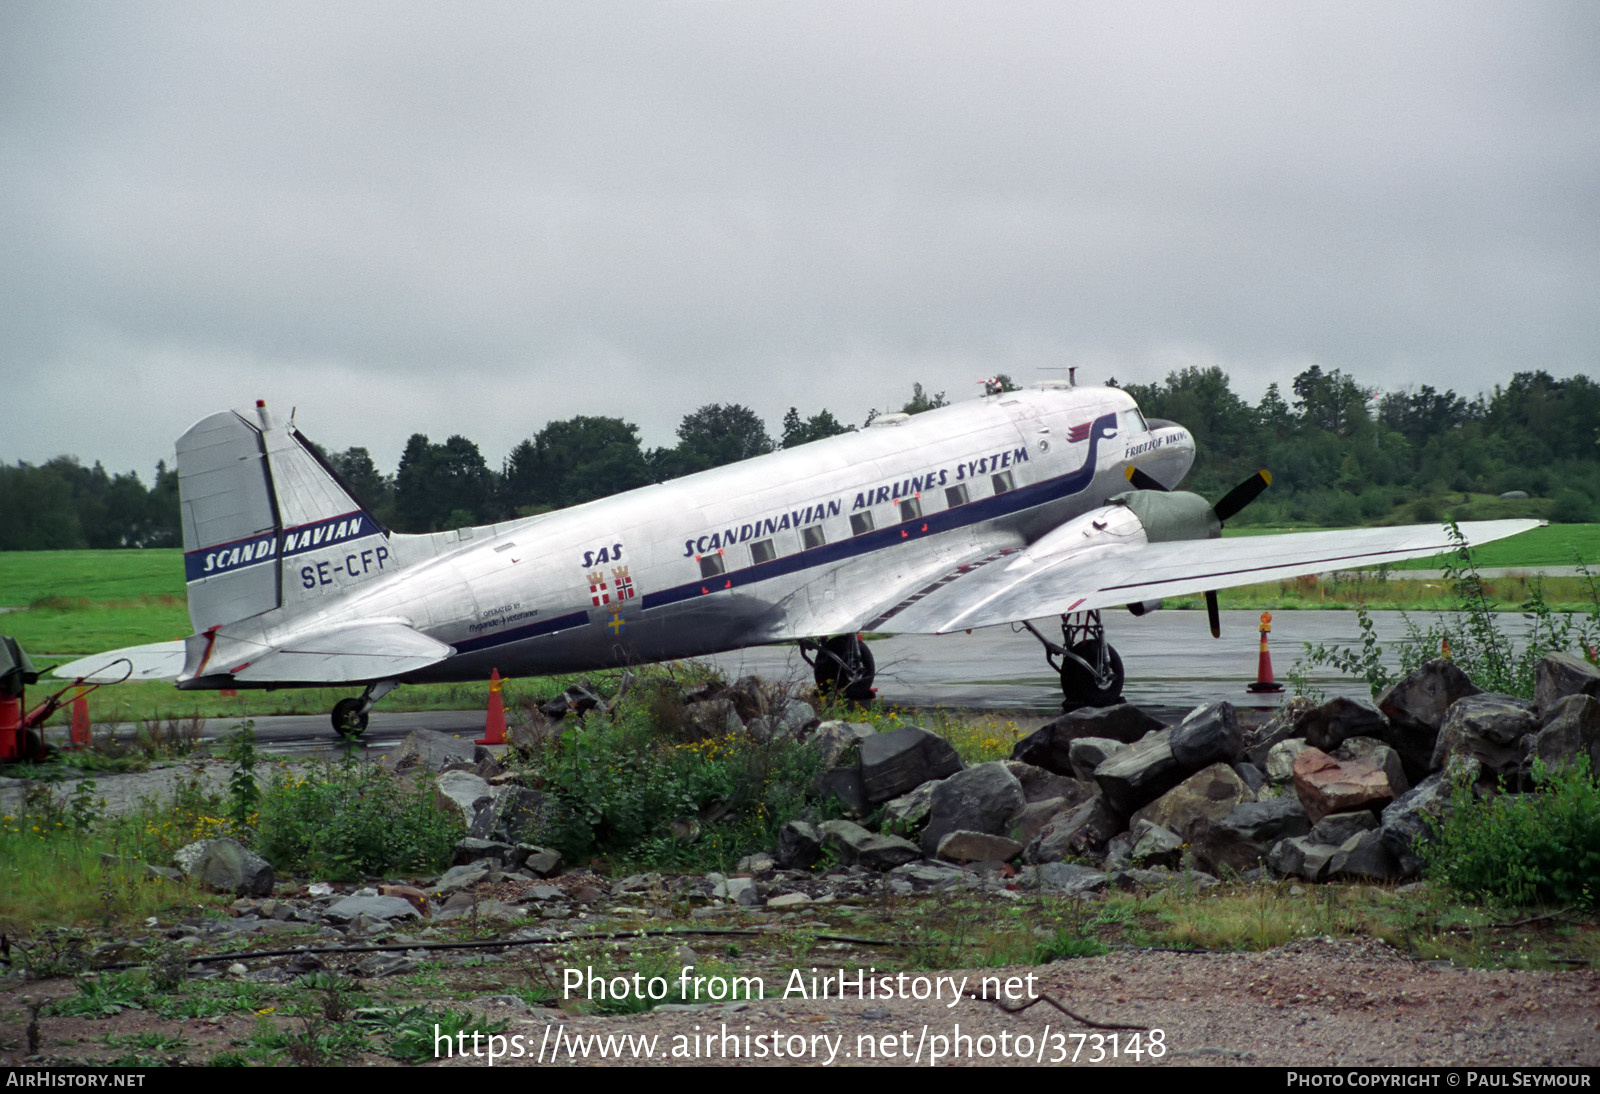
{"x": 1326, "y": 785}
{"x": 409, "y": 893}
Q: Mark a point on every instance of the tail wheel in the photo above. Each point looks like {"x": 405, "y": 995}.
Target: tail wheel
{"x": 1082, "y": 688}
{"x": 845, "y": 666}
{"x": 348, "y": 718}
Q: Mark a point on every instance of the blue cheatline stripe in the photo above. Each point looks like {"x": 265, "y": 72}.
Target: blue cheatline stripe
{"x": 946, "y": 520}
{"x": 518, "y": 634}
{"x": 239, "y": 554}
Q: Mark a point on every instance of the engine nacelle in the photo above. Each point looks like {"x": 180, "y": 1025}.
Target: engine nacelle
{"x": 1171, "y": 515}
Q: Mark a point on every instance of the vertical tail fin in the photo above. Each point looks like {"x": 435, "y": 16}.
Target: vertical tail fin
{"x": 266, "y": 523}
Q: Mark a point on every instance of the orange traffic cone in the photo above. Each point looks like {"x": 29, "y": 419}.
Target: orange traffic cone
{"x": 80, "y": 722}
{"x": 1264, "y": 681}
{"x": 494, "y": 730}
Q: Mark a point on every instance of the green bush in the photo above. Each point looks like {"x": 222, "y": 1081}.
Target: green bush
{"x": 1538, "y": 847}
{"x": 351, "y": 821}
{"x": 643, "y": 784}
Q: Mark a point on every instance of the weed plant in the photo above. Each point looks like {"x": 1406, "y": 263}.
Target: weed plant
{"x": 645, "y": 782}
{"x": 1474, "y": 638}
{"x": 1542, "y": 847}
{"x": 353, "y": 820}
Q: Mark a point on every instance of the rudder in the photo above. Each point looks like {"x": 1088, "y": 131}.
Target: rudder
{"x": 266, "y": 524}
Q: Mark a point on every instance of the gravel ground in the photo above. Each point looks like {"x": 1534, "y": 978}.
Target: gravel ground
{"x": 1322, "y": 1003}
{"x": 1314, "y": 1003}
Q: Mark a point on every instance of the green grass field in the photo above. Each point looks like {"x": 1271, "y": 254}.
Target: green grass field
{"x": 1552, "y": 545}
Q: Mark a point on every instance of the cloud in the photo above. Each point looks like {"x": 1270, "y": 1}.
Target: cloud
{"x": 480, "y": 217}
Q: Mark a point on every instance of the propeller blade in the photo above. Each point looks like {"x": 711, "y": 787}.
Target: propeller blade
{"x": 1213, "y": 615}
{"x": 1141, "y": 481}
{"x": 1242, "y": 495}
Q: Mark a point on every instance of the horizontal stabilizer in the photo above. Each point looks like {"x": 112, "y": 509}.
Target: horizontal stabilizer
{"x": 366, "y": 651}
{"x": 156, "y": 661}
{"x": 1037, "y": 584}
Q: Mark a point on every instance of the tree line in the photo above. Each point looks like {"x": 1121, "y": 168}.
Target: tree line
{"x": 1340, "y": 453}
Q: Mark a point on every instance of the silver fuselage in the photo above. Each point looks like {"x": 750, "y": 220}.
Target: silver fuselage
{"x": 635, "y": 578}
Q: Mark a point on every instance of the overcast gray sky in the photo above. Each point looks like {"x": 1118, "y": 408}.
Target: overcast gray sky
{"x": 477, "y": 217}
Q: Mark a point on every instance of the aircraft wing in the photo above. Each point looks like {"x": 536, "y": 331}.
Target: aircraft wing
{"x": 1040, "y": 582}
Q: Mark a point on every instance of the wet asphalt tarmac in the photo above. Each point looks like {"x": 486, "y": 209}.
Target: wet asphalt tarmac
{"x": 1171, "y": 661}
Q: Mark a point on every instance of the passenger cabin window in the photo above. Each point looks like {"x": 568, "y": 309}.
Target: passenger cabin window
{"x": 911, "y": 508}
{"x": 762, "y": 551}
{"x": 711, "y": 565}
{"x": 812, "y": 537}
{"x": 860, "y": 523}
{"x": 955, "y": 495}
{"x": 1003, "y": 482}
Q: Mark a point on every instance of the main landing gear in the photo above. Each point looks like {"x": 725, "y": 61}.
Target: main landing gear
{"x": 843, "y": 666}
{"x": 350, "y": 715}
{"x": 1090, "y": 670}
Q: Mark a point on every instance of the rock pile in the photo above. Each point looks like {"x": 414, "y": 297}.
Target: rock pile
{"x": 1341, "y": 790}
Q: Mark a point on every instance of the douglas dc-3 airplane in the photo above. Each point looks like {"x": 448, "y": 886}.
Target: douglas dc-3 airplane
{"x": 1051, "y": 501}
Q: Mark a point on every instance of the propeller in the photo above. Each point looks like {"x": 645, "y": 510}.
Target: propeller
{"x": 1225, "y": 509}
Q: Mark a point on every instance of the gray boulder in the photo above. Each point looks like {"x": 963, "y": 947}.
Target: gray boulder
{"x": 1139, "y": 773}
{"x": 372, "y": 907}
{"x": 1416, "y": 706}
{"x": 903, "y": 759}
{"x": 977, "y": 847}
{"x": 224, "y": 866}
{"x": 430, "y": 750}
{"x": 856, "y": 846}
{"x": 1280, "y": 727}
{"x": 464, "y": 794}
{"x": 1086, "y": 754}
{"x": 1208, "y": 735}
{"x": 1488, "y": 727}
{"x": 837, "y": 741}
{"x": 1560, "y": 675}
{"x": 1154, "y": 845}
{"x": 799, "y": 846}
{"x": 1363, "y": 857}
{"x": 1571, "y": 730}
{"x": 1413, "y": 817}
{"x": 1338, "y": 720}
{"x": 910, "y": 810}
{"x": 1335, "y": 828}
{"x": 843, "y": 784}
{"x": 1299, "y": 857}
{"x": 1084, "y": 831}
{"x": 1039, "y": 784}
{"x": 1069, "y": 878}
{"x": 1210, "y": 794}
{"x": 1050, "y": 745}
{"x": 980, "y": 799}
{"x": 514, "y": 815}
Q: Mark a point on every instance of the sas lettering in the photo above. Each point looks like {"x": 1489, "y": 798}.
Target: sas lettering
{"x": 612, "y": 553}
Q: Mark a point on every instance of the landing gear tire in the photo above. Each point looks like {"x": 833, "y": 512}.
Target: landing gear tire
{"x": 1079, "y": 686}
{"x": 845, "y": 666}
{"x": 348, "y": 718}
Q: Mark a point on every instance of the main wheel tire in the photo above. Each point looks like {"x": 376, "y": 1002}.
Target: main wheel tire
{"x": 348, "y": 718}
{"x": 845, "y": 666}
{"x": 1079, "y": 688}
